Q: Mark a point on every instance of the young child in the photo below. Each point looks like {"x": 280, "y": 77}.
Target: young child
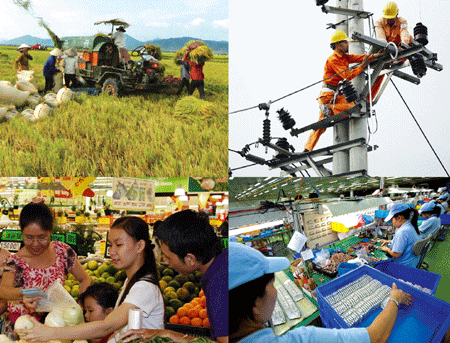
{"x": 98, "y": 301}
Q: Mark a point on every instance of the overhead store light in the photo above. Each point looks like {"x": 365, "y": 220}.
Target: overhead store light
{"x": 235, "y": 232}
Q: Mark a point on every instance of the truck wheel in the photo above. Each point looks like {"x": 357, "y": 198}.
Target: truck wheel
{"x": 111, "y": 87}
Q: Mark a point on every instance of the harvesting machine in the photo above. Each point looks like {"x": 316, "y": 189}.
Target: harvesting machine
{"x": 99, "y": 64}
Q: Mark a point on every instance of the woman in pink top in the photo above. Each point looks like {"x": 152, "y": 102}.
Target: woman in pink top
{"x": 38, "y": 264}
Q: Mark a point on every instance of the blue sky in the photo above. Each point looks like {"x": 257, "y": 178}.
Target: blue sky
{"x": 204, "y": 19}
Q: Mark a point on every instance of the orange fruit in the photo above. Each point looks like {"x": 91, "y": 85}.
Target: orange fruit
{"x": 203, "y": 301}
{"x": 195, "y": 301}
{"x": 174, "y": 319}
{"x": 182, "y": 312}
{"x": 185, "y": 321}
{"x": 206, "y": 323}
{"x": 193, "y": 313}
{"x": 202, "y": 314}
{"x": 198, "y": 307}
{"x": 188, "y": 306}
{"x": 197, "y": 322}
{"x": 201, "y": 293}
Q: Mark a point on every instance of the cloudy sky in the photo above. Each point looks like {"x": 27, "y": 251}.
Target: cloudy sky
{"x": 279, "y": 47}
{"x": 205, "y": 19}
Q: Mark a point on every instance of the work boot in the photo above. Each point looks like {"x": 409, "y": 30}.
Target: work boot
{"x": 325, "y": 111}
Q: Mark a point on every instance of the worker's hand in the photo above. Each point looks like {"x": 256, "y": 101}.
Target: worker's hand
{"x": 379, "y": 54}
{"x": 31, "y": 303}
{"x": 365, "y": 62}
{"x": 400, "y": 296}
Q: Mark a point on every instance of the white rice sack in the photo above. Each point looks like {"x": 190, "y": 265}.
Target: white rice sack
{"x": 23, "y": 85}
{"x": 50, "y": 99}
{"x": 50, "y": 96}
{"x": 64, "y": 95}
{"x": 13, "y": 96}
{"x": 6, "y": 83}
{"x": 26, "y": 75}
{"x": 11, "y": 114}
{"x": 42, "y": 110}
{"x": 29, "y": 114}
{"x": 33, "y": 101}
{"x": 58, "y": 79}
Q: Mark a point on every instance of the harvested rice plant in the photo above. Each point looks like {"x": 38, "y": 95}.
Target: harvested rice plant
{"x": 139, "y": 134}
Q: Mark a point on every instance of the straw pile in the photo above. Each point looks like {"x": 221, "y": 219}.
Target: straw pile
{"x": 191, "y": 107}
{"x": 154, "y": 50}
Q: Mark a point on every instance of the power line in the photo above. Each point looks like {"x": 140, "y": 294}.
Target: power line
{"x": 423, "y": 133}
{"x": 297, "y": 91}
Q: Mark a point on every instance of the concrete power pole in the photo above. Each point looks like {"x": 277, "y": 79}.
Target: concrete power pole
{"x": 357, "y": 127}
{"x": 341, "y": 162}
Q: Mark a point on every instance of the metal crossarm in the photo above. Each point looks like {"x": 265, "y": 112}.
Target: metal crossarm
{"x": 301, "y": 157}
{"x": 345, "y": 11}
{"x": 330, "y": 121}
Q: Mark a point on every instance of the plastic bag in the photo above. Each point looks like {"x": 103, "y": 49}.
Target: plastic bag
{"x": 57, "y": 299}
{"x": 362, "y": 254}
{"x": 322, "y": 258}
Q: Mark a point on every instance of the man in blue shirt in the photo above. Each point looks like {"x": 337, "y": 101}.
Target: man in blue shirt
{"x": 188, "y": 243}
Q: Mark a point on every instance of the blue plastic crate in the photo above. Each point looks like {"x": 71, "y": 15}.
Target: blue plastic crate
{"x": 426, "y": 320}
{"x": 416, "y": 276}
{"x": 346, "y": 267}
{"x": 445, "y": 219}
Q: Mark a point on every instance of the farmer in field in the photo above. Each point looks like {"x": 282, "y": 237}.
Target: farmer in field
{"x": 330, "y": 101}
{"x": 184, "y": 77}
{"x": 70, "y": 65}
{"x": 196, "y": 75}
{"x": 119, "y": 39}
{"x": 50, "y": 69}
{"x": 21, "y": 63}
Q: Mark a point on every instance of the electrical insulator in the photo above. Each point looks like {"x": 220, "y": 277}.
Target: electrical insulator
{"x": 286, "y": 119}
{"x": 255, "y": 159}
{"x": 244, "y": 150}
{"x": 348, "y": 90}
{"x": 421, "y": 34}
{"x": 266, "y": 131}
{"x": 321, "y": 2}
{"x": 283, "y": 144}
{"x": 418, "y": 65}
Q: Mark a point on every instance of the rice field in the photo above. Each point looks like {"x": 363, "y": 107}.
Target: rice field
{"x": 134, "y": 135}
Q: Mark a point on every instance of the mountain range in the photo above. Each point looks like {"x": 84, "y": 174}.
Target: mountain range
{"x": 167, "y": 45}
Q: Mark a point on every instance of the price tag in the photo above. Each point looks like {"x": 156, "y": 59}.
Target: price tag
{"x": 57, "y": 237}
{"x": 12, "y": 235}
{"x": 71, "y": 238}
{"x": 10, "y": 246}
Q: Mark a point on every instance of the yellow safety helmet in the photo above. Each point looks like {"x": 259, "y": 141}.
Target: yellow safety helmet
{"x": 390, "y": 10}
{"x": 338, "y": 36}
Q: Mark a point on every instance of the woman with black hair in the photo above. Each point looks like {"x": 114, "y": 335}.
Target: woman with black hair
{"x": 404, "y": 218}
{"x": 430, "y": 212}
{"x": 253, "y": 295}
{"x": 130, "y": 249}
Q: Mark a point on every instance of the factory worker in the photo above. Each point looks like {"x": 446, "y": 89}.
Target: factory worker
{"x": 252, "y": 297}
{"x": 404, "y": 219}
{"x": 432, "y": 223}
{"x": 441, "y": 201}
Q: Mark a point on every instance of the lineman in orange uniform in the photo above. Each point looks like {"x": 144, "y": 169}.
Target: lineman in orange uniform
{"x": 330, "y": 102}
{"x": 390, "y": 28}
